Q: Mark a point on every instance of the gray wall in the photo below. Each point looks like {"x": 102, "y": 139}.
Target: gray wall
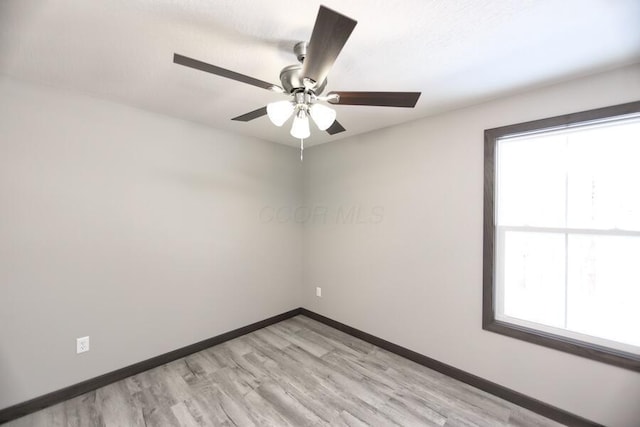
{"x": 139, "y": 230}
{"x": 407, "y": 264}
{"x": 149, "y": 233}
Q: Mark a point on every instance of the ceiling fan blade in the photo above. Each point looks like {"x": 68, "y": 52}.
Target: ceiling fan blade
{"x": 219, "y": 71}
{"x": 382, "y": 99}
{"x": 330, "y": 33}
{"x": 335, "y": 128}
{"x": 252, "y": 115}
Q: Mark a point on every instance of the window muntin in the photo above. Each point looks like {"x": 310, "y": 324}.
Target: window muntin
{"x": 565, "y": 205}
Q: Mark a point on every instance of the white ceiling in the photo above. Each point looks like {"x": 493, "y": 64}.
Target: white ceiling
{"x": 456, "y": 52}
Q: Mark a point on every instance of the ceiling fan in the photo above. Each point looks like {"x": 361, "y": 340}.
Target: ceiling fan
{"x": 304, "y": 82}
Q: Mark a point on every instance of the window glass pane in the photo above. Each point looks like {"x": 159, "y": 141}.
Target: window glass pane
{"x": 604, "y": 177}
{"x": 534, "y": 277}
{"x": 531, "y": 178}
{"x": 565, "y": 237}
{"x": 604, "y": 287}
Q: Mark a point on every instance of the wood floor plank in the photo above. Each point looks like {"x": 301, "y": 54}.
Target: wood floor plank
{"x": 184, "y": 416}
{"x": 335, "y": 335}
{"x": 346, "y": 419}
{"x": 272, "y": 338}
{"x": 298, "y": 372}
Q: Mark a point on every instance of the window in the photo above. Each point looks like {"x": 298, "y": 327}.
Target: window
{"x": 562, "y": 233}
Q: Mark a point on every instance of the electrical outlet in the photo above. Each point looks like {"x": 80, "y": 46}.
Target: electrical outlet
{"x": 318, "y": 291}
{"x": 82, "y": 344}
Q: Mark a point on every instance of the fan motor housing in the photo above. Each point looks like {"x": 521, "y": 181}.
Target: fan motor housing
{"x": 291, "y": 79}
{"x": 291, "y": 76}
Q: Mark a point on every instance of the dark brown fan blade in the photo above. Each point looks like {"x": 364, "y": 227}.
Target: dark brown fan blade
{"x": 382, "y": 99}
{"x": 329, "y": 35}
{"x": 222, "y": 72}
{"x": 252, "y": 115}
{"x": 335, "y": 128}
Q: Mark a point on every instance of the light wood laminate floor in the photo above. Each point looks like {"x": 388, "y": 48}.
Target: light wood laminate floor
{"x": 295, "y": 373}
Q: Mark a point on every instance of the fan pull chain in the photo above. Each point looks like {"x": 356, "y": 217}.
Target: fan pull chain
{"x": 301, "y": 149}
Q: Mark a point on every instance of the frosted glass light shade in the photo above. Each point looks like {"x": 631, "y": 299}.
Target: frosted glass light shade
{"x": 280, "y": 111}
{"x": 322, "y": 115}
{"x": 300, "y": 127}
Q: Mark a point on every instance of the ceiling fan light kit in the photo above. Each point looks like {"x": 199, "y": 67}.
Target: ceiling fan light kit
{"x": 305, "y": 105}
{"x": 305, "y": 81}
{"x": 300, "y": 128}
{"x": 280, "y": 111}
{"x": 322, "y": 115}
